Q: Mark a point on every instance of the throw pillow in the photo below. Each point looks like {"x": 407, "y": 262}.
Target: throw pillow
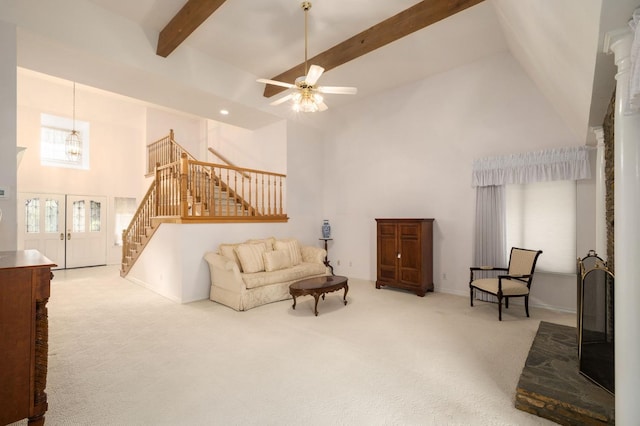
{"x": 229, "y": 251}
{"x": 276, "y": 260}
{"x": 268, "y": 242}
{"x": 293, "y": 248}
{"x": 250, "y": 256}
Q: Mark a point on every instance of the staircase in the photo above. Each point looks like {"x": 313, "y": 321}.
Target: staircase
{"x": 188, "y": 191}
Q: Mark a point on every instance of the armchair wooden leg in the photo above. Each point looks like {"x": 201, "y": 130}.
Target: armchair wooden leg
{"x": 526, "y": 305}
{"x": 506, "y": 302}
{"x": 499, "y": 308}
{"x": 471, "y": 295}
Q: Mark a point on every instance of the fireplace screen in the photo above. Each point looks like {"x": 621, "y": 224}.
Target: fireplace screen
{"x": 596, "y": 322}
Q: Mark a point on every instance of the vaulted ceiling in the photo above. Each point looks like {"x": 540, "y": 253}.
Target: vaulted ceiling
{"x": 557, "y": 43}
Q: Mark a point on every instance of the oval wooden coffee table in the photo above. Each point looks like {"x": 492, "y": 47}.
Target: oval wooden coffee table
{"x": 318, "y": 286}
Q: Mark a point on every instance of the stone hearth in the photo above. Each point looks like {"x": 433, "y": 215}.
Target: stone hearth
{"x": 551, "y": 386}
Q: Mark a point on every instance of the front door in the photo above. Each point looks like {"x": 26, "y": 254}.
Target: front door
{"x": 41, "y": 224}
{"x": 86, "y": 231}
{"x": 68, "y": 229}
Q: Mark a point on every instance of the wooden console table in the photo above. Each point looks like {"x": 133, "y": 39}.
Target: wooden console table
{"x": 24, "y": 291}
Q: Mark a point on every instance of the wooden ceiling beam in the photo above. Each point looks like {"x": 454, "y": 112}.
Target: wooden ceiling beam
{"x": 192, "y": 14}
{"x": 404, "y": 23}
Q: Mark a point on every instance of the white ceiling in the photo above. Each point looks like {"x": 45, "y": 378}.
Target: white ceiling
{"x": 557, "y": 43}
{"x": 265, "y": 38}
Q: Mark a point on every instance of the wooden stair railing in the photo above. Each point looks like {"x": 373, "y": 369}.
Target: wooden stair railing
{"x": 190, "y": 191}
{"x": 139, "y": 231}
{"x": 217, "y": 190}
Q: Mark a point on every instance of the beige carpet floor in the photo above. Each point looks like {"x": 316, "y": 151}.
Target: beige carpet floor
{"x": 120, "y": 354}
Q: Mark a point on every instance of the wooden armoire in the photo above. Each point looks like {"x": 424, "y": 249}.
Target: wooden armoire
{"x": 24, "y": 291}
{"x": 405, "y": 254}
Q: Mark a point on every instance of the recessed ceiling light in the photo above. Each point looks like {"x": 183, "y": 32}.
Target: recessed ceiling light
{"x": 224, "y": 112}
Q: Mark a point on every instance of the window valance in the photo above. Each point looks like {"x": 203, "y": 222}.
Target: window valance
{"x": 570, "y": 163}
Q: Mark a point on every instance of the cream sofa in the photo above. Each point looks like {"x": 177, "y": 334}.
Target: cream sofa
{"x": 250, "y": 274}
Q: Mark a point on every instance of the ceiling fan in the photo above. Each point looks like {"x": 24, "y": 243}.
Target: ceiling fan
{"x": 306, "y": 96}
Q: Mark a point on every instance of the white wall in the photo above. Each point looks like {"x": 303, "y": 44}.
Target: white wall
{"x": 189, "y": 131}
{"x": 261, "y": 149}
{"x": 8, "y": 163}
{"x": 409, "y": 153}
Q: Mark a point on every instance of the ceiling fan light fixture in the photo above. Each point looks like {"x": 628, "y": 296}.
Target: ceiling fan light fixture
{"x": 305, "y": 102}
{"x": 306, "y": 96}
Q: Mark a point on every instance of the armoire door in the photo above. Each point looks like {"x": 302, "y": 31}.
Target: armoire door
{"x": 387, "y": 252}
{"x": 410, "y": 262}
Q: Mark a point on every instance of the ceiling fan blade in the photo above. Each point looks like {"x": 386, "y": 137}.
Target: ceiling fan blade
{"x": 322, "y": 106}
{"x": 276, "y": 83}
{"x": 314, "y": 74}
{"x": 339, "y": 90}
{"x": 282, "y": 99}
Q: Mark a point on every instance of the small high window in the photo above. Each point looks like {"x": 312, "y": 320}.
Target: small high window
{"x": 53, "y": 134}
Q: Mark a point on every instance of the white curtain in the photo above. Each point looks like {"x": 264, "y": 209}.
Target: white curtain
{"x": 634, "y": 75}
{"x": 491, "y": 174}
{"x": 490, "y": 232}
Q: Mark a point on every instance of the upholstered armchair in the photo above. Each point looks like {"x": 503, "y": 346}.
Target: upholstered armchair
{"x": 516, "y": 282}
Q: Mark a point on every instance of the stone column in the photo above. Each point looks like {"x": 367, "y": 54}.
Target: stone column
{"x": 627, "y": 236}
{"x": 601, "y": 213}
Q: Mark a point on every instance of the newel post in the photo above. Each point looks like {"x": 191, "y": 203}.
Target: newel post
{"x": 184, "y": 170}
{"x": 125, "y": 246}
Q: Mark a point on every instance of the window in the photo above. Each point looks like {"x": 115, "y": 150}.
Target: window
{"x": 52, "y": 213}
{"x": 542, "y": 216}
{"x": 95, "y": 216}
{"x": 32, "y": 215}
{"x": 78, "y": 215}
{"x": 125, "y": 208}
{"x": 53, "y": 133}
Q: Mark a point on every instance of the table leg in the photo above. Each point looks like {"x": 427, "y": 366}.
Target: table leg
{"x": 294, "y": 301}
{"x": 346, "y": 289}
{"x": 316, "y": 296}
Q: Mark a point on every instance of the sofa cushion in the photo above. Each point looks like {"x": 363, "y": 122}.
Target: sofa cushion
{"x": 295, "y": 273}
{"x": 229, "y": 251}
{"x": 293, "y": 248}
{"x": 268, "y": 242}
{"x": 276, "y": 260}
{"x": 250, "y": 256}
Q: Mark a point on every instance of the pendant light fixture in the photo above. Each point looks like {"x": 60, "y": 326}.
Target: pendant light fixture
{"x": 73, "y": 142}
